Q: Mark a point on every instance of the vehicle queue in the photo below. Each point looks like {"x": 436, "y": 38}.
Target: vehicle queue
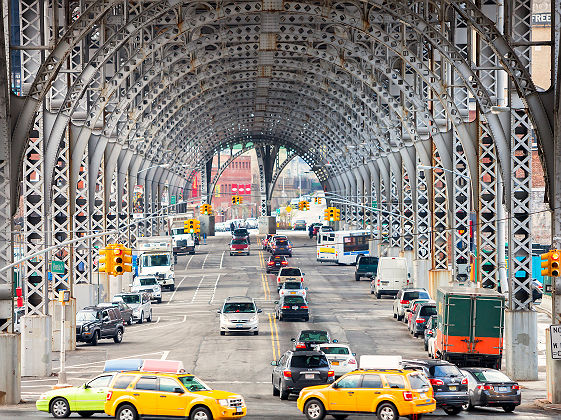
{"x": 317, "y": 368}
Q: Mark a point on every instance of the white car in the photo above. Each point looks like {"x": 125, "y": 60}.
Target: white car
{"x": 147, "y": 284}
{"x": 340, "y": 356}
{"x": 295, "y": 288}
{"x": 239, "y": 314}
{"x": 139, "y": 303}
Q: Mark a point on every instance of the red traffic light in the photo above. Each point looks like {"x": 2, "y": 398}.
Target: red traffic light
{"x": 18, "y": 292}
{"x": 19, "y": 300}
{"x": 117, "y": 251}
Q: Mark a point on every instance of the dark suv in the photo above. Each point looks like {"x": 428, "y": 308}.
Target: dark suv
{"x": 281, "y": 246}
{"x": 366, "y": 267}
{"x": 93, "y": 323}
{"x": 449, "y": 384}
{"x": 297, "y": 370}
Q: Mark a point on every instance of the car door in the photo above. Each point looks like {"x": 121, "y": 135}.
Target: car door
{"x": 92, "y": 395}
{"x": 147, "y": 395}
{"x": 278, "y": 369}
{"x": 343, "y": 396}
{"x": 170, "y": 402}
{"x": 105, "y": 329}
{"x": 369, "y": 394}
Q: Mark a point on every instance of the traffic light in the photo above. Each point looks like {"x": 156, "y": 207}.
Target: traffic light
{"x": 189, "y": 225}
{"x": 234, "y": 199}
{"x": 197, "y": 226}
{"x": 127, "y": 259}
{"x": 326, "y": 214}
{"x": 300, "y": 205}
{"x": 117, "y": 260}
{"x": 240, "y": 200}
{"x": 206, "y": 209}
{"x": 306, "y": 206}
{"x": 104, "y": 264}
{"x": 551, "y": 263}
{"x": 337, "y": 214}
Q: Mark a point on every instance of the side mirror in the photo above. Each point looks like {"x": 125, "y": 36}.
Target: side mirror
{"x": 305, "y": 288}
{"x": 293, "y": 340}
{"x": 274, "y": 363}
{"x": 218, "y": 311}
{"x": 178, "y": 390}
{"x": 354, "y": 354}
{"x": 130, "y": 284}
{"x": 335, "y": 341}
{"x": 276, "y": 302}
{"x": 335, "y": 386}
{"x": 259, "y": 310}
{"x": 86, "y": 386}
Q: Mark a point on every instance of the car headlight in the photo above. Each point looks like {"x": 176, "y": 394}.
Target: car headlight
{"x": 223, "y": 402}
{"x": 136, "y": 310}
{"x": 253, "y": 318}
{"x": 86, "y": 328}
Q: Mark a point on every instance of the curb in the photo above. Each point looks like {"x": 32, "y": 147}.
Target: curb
{"x": 546, "y": 405}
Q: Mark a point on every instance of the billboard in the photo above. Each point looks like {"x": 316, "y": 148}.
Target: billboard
{"x": 138, "y": 202}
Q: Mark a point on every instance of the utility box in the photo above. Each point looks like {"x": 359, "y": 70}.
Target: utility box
{"x": 470, "y": 326}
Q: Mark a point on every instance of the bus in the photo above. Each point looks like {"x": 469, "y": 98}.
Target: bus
{"x": 342, "y": 247}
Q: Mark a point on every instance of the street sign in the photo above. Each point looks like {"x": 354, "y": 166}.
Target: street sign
{"x": 555, "y": 339}
{"x": 57, "y": 267}
{"x": 288, "y": 209}
{"x": 278, "y": 212}
{"x": 173, "y": 199}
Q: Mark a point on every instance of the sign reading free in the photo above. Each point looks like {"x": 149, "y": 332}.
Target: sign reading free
{"x": 555, "y": 339}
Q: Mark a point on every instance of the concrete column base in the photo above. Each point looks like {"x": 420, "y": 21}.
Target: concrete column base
{"x": 409, "y": 256}
{"x": 10, "y": 369}
{"x": 267, "y": 224}
{"x": 374, "y": 247}
{"x": 69, "y": 324}
{"x": 36, "y": 345}
{"x": 521, "y": 345}
{"x": 207, "y": 225}
{"x": 438, "y": 278}
{"x": 393, "y": 251}
{"x": 420, "y": 274}
{"x": 116, "y": 285}
{"x": 86, "y": 294}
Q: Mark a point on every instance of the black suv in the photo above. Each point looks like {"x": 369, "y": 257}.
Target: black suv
{"x": 449, "y": 384}
{"x": 297, "y": 370}
{"x": 93, "y": 323}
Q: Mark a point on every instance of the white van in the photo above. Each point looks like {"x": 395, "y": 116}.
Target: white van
{"x": 392, "y": 275}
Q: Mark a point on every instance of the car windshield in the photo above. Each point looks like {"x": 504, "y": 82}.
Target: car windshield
{"x": 335, "y": 350}
{"x": 241, "y": 232}
{"x": 418, "y": 381}
{"x": 277, "y": 258}
{"x": 293, "y": 299}
{"x": 292, "y": 285}
{"x": 428, "y": 310}
{"x": 86, "y": 316}
{"x": 148, "y": 282}
{"x": 491, "y": 376}
{"x": 320, "y": 336}
{"x": 420, "y": 294}
{"x": 239, "y": 242}
{"x": 130, "y": 298}
{"x": 193, "y": 384}
{"x": 444, "y": 370}
{"x": 368, "y": 261}
{"x": 282, "y": 242}
{"x": 309, "y": 362}
{"x": 161, "y": 260}
{"x": 290, "y": 272}
{"x": 243, "y": 307}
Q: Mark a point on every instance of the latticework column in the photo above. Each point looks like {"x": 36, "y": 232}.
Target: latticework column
{"x": 439, "y": 215}
{"x": 82, "y": 250}
{"x": 462, "y": 207}
{"x": 423, "y": 224}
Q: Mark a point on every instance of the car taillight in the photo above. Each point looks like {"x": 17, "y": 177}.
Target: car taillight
{"x": 516, "y": 387}
{"x": 464, "y": 381}
{"x": 286, "y": 307}
{"x": 378, "y": 282}
{"x": 330, "y": 374}
{"x": 300, "y": 346}
{"x": 436, "y": 382}
{"x": 287, "y": 374}
{"x": 352, "y": 362}
{"x": 404, "y": 302}
{"x": 419, "y": 320}
{"x": 301, "y": 279}
{"x": 303, "y": 307}
{"x": 109, "y": 395}
{"x": 407, "y": 395}
{"x": 484, "y": 387}
{"x": 429, "y": 331}
{"x": 284, "y": 263}
{"x": 271, "y": 263}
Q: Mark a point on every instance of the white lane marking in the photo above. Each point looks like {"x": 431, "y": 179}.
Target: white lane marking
{"x": 215, "y": 284}
{"x": 198, "y": 287}
{"x": 173, "y": 294}
{"x": 222, "y": 258}
{"x": 165, "y": 355}
{"x": 204, "y": 262}
{"x": 189, "y": 262}
{"x": 158, "y": 320}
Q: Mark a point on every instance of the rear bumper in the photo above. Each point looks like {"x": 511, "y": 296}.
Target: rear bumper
{"x": 389, "y": 292}
{"x": 181, "y": 250}
{"x": 498, "y": 400}
{"x": 295, "y": 314}
{"x": 451, "y": 399}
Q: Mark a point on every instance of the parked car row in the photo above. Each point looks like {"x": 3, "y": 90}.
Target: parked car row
{"x": 454, "y": 388}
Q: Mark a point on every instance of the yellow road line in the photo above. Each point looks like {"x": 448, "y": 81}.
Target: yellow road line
{"x": 273, "y": 338}
{"x": 265, "y": 287}
{"x": 277, "y": 337}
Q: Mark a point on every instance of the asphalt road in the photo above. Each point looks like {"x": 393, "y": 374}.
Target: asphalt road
{"x": 185, "y": 328}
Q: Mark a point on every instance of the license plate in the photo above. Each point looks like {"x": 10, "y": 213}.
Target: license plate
{"x": 309, "y": 376}
{"x": 239, "y": 325}
{"x": 385, "y": 282}
{"x": 239, "y": 409}
{"x": 453, "y": 388}
{"x": 335, "y": 363}
{"x": 292, "y": 293}
{"x": 295, "y": 307}
{"x": 422, "y": 395}
{"x": 502, "y": 389}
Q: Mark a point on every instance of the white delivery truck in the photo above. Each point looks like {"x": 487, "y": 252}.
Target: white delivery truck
{"x": 183, "y": 243}
{"x": 156, "y": 259}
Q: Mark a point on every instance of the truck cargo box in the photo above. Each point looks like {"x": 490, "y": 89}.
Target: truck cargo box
{"x": 470, "y": 326}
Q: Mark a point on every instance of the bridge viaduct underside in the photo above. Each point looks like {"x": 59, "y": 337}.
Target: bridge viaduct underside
{"x": 423, "y": 109}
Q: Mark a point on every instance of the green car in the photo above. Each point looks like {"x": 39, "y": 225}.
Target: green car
{"x": 85, "y": 400}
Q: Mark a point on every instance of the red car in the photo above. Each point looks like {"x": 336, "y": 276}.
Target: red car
{"x": 266, "y": 240}
{"x": 239, "y": 247}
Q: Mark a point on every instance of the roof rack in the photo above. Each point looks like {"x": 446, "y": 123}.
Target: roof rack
{"x": 144, "y": 365}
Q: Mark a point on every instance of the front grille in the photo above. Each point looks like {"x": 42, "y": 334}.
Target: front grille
{"x": 241, "y": 321}
{"x": 235, "y": 402}
{"x": 78, "y": 330}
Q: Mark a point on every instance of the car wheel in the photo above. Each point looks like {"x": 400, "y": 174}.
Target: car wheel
{"x": 307, "y": 319}
{"x": 149, "y": 319}
{"x": 357, "y": 278}
{"x": 141, "y": 319}
{"x": 509, "y": 408}
{"x": 119, "y": 336}
{"x": 255, "y": 332}
{"x": 94, "y": 339}
{"x": 60, "y": 409}
{"x": 280, "y": 317}
{"x": 371, "y": 291}
{"x": 426, "y": 346}
{"x": 452, "y": 411}
{"x": 276, "y": 391}
{"x": 378, "y": 295}
{"x": 314, "y": 409}
{"x": 172, "y": 287}
{"x": 126, "y": 412}
{"x": 129, "y": 322}
{"x": 159, "y": 300}
{"x": 283, "y": 393}
{"x": 387, "y": 411}
{"x": 86, "y": 413}
{"x": 201, "y": 413}
{"x": 222, "y": 332}
{"x": 399, "y": 317}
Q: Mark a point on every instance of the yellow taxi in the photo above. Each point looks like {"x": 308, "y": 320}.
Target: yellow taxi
{"x": 132, "y": 395}
{"x": 390, "y": 393}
